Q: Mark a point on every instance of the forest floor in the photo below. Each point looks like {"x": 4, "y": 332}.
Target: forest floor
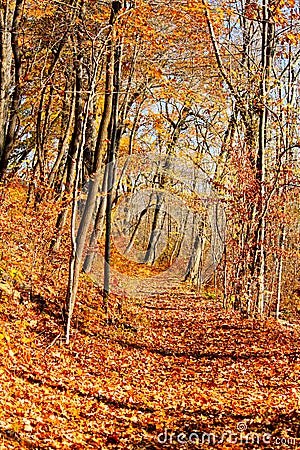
{"x": 174, "y": 371}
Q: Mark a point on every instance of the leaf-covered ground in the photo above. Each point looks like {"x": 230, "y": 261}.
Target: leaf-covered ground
{"x": 172, "y": 364}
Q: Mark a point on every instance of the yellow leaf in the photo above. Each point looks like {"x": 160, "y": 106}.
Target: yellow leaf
{"x": 6, "y": 288}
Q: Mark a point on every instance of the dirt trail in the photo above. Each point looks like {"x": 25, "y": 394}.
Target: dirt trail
{"x": 212, "y": 372}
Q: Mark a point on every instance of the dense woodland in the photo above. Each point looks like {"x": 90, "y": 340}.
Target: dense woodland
{"x": 149, "y": 163}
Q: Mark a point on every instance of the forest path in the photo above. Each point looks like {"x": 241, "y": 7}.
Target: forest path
{"x": 203, "y": 370}
{"x": 174, "y": 367}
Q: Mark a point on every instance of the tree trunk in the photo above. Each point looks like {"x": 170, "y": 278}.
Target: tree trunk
{"x": 72, "y": 153}
{"x": 266, "y": 61}
{"x": 10, "y": 74}
{"x": 111, "y": 164}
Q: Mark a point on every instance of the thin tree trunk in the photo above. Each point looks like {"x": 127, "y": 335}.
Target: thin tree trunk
{"x": 111, "y": 167}
{"x": 64, "y": 144}
{"x": 72, "y": 153}
{"x": 280, "y": 266}
{"x": 99, "y": 224}
{"x": 267, "y": 43}
{"x": 156, "y": 229}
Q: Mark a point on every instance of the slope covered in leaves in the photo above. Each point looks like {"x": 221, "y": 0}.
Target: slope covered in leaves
{"x": 175, "y": 363}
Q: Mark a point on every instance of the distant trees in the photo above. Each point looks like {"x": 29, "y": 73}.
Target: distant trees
{"x": 258, "y": 59}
